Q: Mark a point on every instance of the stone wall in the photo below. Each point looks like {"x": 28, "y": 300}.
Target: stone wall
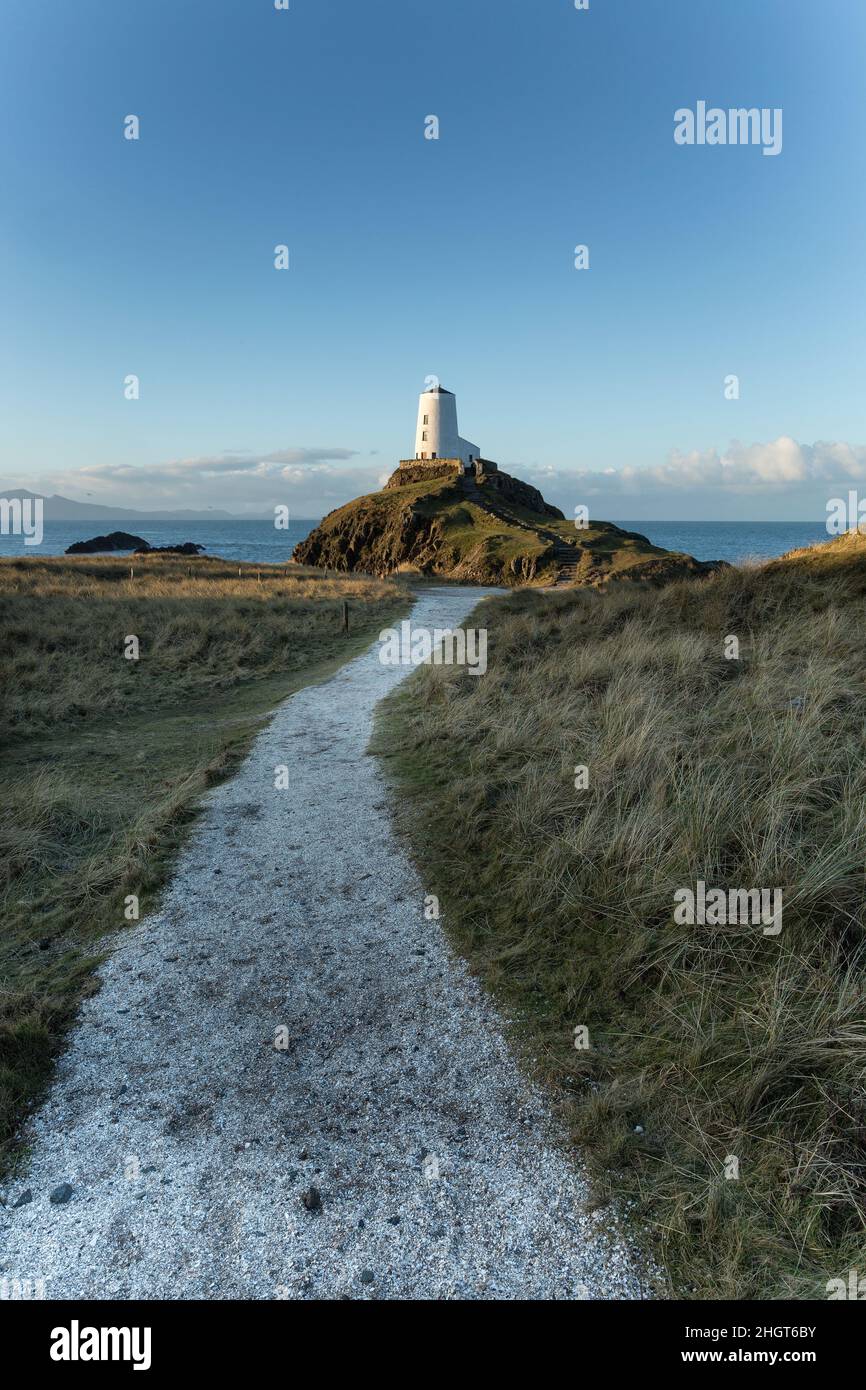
{"x": 424, "y": 470}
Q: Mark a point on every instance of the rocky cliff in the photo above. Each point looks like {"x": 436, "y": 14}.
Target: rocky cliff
{"x": 487, "y": 528}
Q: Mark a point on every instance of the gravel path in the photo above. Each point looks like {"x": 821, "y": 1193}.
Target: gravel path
{"x": 206, "y": 1162}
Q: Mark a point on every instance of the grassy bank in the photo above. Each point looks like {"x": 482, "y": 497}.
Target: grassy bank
{"x": 707, "y": 1044}
{"x": 480, "y": 533}
{"x": 105, "y": 758}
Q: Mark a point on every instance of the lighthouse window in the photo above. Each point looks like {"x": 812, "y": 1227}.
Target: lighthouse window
{"x": 424, "y": 436}
{"x": 426, "y": 419}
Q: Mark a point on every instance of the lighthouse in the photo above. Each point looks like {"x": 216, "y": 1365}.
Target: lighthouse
{"x": 437, "y": 436}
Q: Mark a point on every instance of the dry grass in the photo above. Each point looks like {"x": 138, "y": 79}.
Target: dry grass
{"x": 706, "y": 1042}
{"x": 105, "y": 758}
{"x": 201, "y": 626}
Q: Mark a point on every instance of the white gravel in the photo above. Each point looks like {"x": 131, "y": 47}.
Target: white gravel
{"x": 189, "y": 1140}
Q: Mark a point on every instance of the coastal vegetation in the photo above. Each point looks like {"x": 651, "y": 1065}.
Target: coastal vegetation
{"x": 485, "y": 530}
{"x": 620, "y": 749}
{"x": 106, "y": 755}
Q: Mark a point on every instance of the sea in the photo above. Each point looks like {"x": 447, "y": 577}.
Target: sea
{"x": 258, "y": 542}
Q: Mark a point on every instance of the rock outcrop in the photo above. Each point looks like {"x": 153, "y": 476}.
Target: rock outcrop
{"x": 513, "y": 490}
{"x": 124, "y": 540}
{"x": 115, "y": 540}
{"x": 419, "y": 472}
{"x": 185, "y": 548}
{"x": 481, "y": 527}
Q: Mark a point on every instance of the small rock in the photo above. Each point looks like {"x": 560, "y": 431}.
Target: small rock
{"x": 367, "y": 1276}
{"x": 26, "y": 1196}
{"x": 393, "y": 1221}
{"x": 312, "y": 1199}
{"x": 60, "y": 1194}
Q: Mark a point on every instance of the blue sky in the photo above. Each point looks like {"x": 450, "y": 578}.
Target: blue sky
{"x": 412, "y": 257}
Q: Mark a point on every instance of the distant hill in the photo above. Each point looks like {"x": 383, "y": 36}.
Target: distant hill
{"x": 486, "y": 529}
{"x": 65, "y": 509}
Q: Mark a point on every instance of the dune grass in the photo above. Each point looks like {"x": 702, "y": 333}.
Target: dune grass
{"x": 707, "y": 1044}
{"x": 105, "y": 759}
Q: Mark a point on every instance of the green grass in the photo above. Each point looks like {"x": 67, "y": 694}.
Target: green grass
{"x": 105, "y": 759}
{"x": 706, "y": 1042}
{"x": 437, "y": 528}
{"x": 468, "y": 528}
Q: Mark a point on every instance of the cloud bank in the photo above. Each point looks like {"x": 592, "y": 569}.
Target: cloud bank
{"x": 310, "y": 481}
{"x": 756, "y": 481}
{"x": 759, "y": 481}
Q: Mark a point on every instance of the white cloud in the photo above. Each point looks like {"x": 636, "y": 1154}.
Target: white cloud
{"x": 741, "y": 469}
{"x": 768, "y": 477}
{"x": 760, "y": 479}
{"x": 309, "y": 480}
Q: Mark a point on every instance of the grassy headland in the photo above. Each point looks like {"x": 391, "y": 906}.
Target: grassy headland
{"x": 493, "y": 530}
{"x": 105, "y": 758}
{"x": 707, "y": 1044}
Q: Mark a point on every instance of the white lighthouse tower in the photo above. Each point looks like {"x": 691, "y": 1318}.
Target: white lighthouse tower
{"x": 436, "y": 436}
